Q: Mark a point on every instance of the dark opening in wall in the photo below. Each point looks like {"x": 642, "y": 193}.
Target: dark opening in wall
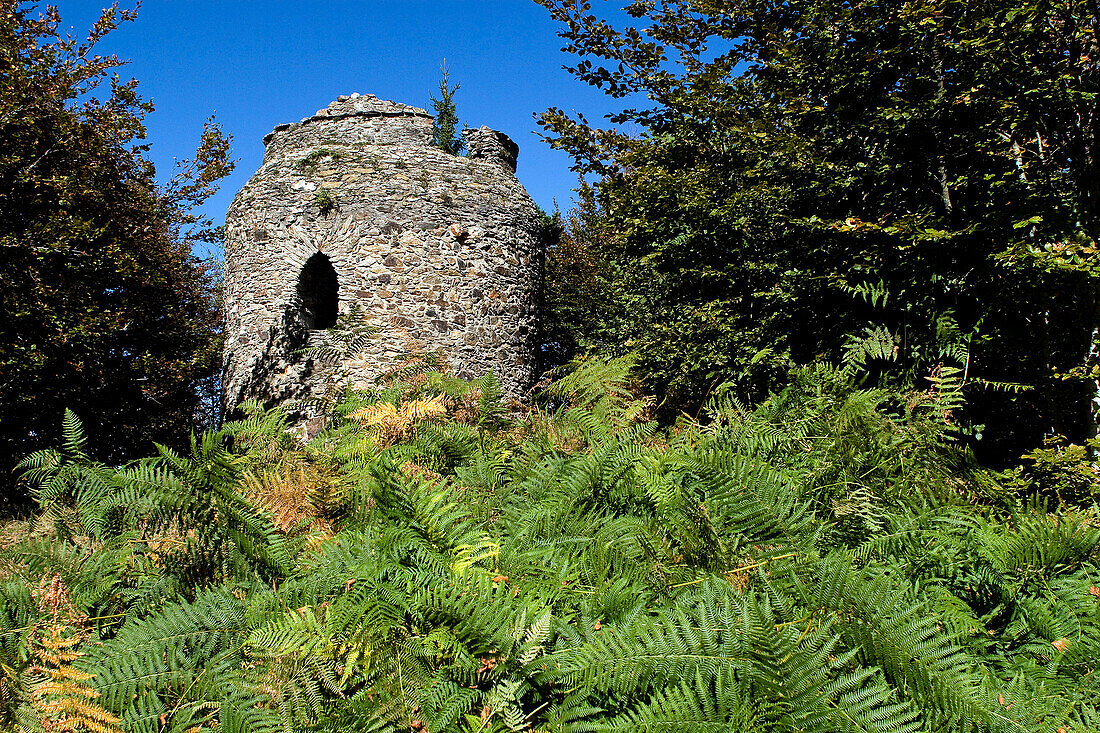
{"x": 318, "y": 293}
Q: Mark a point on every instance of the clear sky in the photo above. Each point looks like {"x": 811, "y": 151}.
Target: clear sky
{"x": 260, "y": 63}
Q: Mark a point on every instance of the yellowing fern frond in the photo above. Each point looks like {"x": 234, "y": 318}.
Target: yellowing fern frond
{"x": 425, "y": 409}
{"x": 375, "y": 414}
{"x": 396, "y": 422}
{"x": 62, "y": 700}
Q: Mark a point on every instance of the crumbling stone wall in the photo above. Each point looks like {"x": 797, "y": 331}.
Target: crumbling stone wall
{"x": 438, "y": 251}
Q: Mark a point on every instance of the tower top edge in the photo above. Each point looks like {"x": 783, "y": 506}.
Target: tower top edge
{"x": 354, "y": 105}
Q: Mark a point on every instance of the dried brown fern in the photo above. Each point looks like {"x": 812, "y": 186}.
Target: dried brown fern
{"x": 298, "y": 497}
{"x": 61, "y": 697}
{"x": 467, "y": 408}
{"x": 412, "y": 470}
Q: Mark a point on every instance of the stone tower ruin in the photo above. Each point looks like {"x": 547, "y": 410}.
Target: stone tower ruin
{"x": 354, "y": 208}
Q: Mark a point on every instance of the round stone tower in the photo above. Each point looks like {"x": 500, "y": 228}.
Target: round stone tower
{"x": 354, "y": 208}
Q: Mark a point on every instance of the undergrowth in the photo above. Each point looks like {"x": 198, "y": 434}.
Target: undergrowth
{"x": 433, "y": 560}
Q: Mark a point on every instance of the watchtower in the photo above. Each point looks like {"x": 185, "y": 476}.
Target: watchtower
{"x": 354, "y": 207}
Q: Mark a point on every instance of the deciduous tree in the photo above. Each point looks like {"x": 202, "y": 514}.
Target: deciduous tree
{"x": 795, "y": 170}
{"x": 105, "y": 310}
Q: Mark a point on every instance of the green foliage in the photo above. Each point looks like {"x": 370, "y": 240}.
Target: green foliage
{"x": 1069, "y": 472}
{"x": 786, "y": 173}
{"x": 576, "y": 282}
{"x": 445, "y": 124}
{"x": 829, "y": 559}
{"x": 106, "y": 311}
{"x": 325, "y": 200}
{"x": 315, "y": 157}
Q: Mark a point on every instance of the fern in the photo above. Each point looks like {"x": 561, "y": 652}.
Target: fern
{"x": 829, "y": 559}
{"x": 62, "y": 697}
{"x": 894, "y": 632}
{"x": 161, "y": 668}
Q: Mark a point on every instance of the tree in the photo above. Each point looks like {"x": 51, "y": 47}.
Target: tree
{"x": 575, "y": 281}
{"x": 105, "y": 309}
{"x": 445, "y": 126}
{"x": 804, "y": 168}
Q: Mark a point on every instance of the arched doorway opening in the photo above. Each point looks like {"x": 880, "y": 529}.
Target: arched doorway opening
{"x": 318, "y": 292}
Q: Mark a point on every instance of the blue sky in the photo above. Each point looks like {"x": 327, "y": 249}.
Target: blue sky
{"x": 259, "y": 63}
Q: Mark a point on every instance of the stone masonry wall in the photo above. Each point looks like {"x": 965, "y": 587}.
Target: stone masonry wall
{"x": 439, "y": 252}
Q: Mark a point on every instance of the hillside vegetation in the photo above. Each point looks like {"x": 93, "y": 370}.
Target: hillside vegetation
{"x": 836, "y": 249}
{"x": 827, "y": 560}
